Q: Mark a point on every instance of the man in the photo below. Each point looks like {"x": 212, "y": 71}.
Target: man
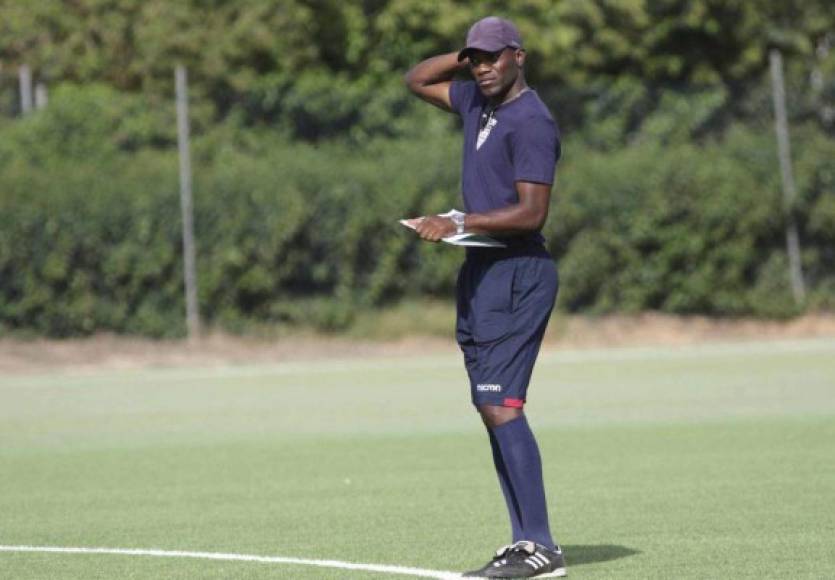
{"x": 505, "y": 296}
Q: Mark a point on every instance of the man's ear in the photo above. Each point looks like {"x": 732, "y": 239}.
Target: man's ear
{"x": 520, "y": 57}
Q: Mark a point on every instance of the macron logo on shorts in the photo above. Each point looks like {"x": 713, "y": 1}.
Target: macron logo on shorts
{"x": 488, "y": 388}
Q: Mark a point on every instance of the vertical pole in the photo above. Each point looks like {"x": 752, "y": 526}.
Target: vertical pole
{"x": 25, "y": 76}
{"x": 789, "y": 192}
{"x": 41, "y": 97}
{"x": 189, "y": 261}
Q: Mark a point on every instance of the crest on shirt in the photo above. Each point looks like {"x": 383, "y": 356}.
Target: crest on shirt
{"x": 487, "y": 123}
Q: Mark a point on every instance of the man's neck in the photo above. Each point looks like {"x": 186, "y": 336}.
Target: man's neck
{"x": 515, "y": 90}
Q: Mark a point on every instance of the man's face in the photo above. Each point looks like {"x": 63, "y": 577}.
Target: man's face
{"x": 495, "y": 72}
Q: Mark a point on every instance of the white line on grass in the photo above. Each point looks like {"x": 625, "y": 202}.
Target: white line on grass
{"x": 382, "y": 568}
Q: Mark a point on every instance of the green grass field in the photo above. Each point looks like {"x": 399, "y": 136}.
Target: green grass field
{"x": 698, "y": 462}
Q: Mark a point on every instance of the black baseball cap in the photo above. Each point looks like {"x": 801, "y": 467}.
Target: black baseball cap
{"x": 491, "y": 34}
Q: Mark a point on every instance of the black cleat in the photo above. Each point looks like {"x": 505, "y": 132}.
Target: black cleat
{"x": 482, "y": 572}
{"x": 523, "y": 560}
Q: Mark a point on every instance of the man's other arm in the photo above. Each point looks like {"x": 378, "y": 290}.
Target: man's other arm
{"x": 526, "y": 216}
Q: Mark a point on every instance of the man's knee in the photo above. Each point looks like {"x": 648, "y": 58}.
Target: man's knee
{"x": 495, "y": 415}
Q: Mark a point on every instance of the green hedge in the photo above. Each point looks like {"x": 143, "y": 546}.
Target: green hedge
{"x": 308, "y": 234}
{"x": 695, "y": 229}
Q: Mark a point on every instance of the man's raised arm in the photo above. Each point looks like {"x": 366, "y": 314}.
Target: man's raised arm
{"x": 431, "y": 78}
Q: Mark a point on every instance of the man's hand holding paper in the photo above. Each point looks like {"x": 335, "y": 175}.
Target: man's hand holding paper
{"x": 442, "y": 228}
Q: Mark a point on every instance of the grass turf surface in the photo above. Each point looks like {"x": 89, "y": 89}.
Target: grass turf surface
{"x": 659, "y": 463}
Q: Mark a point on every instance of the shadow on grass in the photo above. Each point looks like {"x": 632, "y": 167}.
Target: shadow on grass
{"x": 576, "y": 555}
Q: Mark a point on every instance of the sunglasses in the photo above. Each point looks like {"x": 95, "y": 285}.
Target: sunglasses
{"x": 486, "y": 116}
{"x": 489, "y": 58}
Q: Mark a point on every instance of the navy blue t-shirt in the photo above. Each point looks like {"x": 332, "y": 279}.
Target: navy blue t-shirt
{"x": 520, "y": 143}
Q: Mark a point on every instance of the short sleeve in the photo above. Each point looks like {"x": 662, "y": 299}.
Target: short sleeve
{"x": 536, "y": 150}
{"x": 460, "y": 94}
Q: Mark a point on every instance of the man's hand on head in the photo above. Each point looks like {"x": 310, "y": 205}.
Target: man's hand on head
{"x": 434, "y": 227}
{"x": 430, "y": 79}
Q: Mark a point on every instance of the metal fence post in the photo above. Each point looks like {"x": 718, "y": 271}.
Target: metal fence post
{"x": 789, "y": 191}
{"x": 189, "y": 253}
{"x": 24, "y": 74}
{"x": 41, "y": 97}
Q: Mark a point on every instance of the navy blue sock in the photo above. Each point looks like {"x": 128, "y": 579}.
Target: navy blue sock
{"x": 507, "y": 489}
{"x": 521, "y": 459}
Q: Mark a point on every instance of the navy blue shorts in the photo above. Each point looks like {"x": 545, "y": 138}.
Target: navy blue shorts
{"x": 504, "y": 299}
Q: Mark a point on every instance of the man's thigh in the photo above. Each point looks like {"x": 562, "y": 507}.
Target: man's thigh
{"x": 506, "y": 307}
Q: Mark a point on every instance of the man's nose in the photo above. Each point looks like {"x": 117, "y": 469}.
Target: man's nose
{"x": 482, "y": 68}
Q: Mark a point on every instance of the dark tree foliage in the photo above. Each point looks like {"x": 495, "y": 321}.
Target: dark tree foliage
{"x": 308, "y": 148}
